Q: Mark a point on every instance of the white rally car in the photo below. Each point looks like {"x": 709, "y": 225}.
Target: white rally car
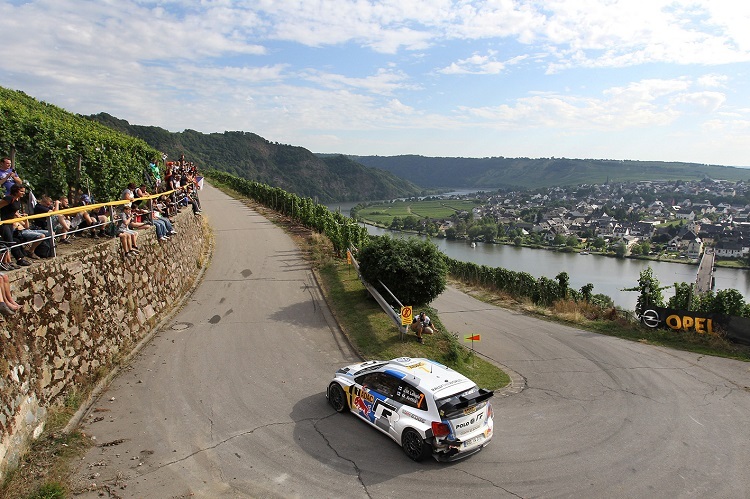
{"x": 428, "y": 408}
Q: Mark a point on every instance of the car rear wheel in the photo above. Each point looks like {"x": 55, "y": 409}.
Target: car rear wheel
{"x": 414, "y": 445}
{"x": 337, "y": 397}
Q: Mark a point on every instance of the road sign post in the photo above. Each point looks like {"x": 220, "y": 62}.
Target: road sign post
{"x": 407, "y": 318}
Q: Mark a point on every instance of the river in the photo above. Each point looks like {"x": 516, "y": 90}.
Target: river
{"x": 608, "y": 275}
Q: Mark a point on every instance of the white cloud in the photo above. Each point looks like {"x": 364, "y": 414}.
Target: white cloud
{"x": 481, "y": 65}
{"x": 646, "y": 103}
{"x": 291, "y": 69}
{"x": 712, "y": 81}
{"x": 701, "y": 102}
{"x": 383, "y": 82}
{"x": 628, "y": 32}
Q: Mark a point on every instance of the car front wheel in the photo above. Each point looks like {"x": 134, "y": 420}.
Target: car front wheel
{"x": 414, "y": 445}
{"x": 337, "y": 397}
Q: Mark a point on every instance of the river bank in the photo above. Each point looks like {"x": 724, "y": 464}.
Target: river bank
{"x": 610, "y": 276}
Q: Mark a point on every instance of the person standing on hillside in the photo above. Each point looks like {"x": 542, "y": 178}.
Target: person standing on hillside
{"x": 154, "y": 174}
{"x": 8, "y": 176}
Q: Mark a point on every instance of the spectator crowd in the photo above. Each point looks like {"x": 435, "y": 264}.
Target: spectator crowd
{"x": 152, "y": 203}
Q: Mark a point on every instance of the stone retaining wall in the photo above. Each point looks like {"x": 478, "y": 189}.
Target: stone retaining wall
{"x": 81, "y": 313}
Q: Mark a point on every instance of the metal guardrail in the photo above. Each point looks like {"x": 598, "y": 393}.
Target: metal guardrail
{"x": 392, "y": 314}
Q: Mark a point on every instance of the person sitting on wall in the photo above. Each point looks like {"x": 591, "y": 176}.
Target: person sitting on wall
{"x": 9, "y": 206}
{"x": 163, "y": 227}
{"x": 6, "y": 262}
{"x": 128, "y": 237}
{"x": 162, "y": 223}
{"x": 92, "y": 218}
{"x": 8, "y": 305}
{"x": 128, "y": 194}
{"x": 60, "y": 225}
{"x": 166, "y": 207}
{"x": 65, "y": 220}
{"x": 187, "y": 197}
{"x": 140, "y": 192}
{"x": 140, "y": 209}
{"x": 23, "y": 232}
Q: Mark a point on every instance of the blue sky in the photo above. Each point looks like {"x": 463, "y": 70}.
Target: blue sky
{"x": 630, "y": 79}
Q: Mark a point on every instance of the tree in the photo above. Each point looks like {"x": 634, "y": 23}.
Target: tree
{"x": 411, "y": 222}
{"x": 559, "y": 240}
{"x": 397, "y": 223}
{"x": 563, "y": 282}
{"x": 474, "y": 231}
{"x": 683, "y": 296}
{"x": 413, "y": 270}
{"x": 586, "y": 292}
{"x": 620, "y": 250}
{"x": 431, "y": 228}
{"x": 460, "y": 227}
{"x": 450, "y": 233}
{"x": 650, "y": 291}
{"x": 602, "y": 301}
{"x": 599, "y": 243}
{"x": 571, "y": 241}
{"x": 489, "y": 232}
{"x": 729, "y": 302}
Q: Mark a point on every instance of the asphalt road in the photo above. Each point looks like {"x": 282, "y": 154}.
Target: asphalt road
{"x": 228, "y": 401}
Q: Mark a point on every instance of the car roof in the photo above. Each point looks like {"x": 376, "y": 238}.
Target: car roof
{"x": 429, "y": 375}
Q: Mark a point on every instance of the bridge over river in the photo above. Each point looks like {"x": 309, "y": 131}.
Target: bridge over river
{"x": 704, "y": 280}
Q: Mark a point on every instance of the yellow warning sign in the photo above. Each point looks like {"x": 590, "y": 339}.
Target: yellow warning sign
{"x": 406, "y": 315}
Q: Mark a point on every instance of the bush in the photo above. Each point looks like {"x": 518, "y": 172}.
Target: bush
{"x": 413, "y": 270}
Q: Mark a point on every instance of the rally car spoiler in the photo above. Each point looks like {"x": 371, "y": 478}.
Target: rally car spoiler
{"x": 466, "y": 401}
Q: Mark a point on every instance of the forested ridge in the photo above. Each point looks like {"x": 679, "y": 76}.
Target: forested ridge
{"x": 534, "y": 173}
{"x": 292, "y": 168}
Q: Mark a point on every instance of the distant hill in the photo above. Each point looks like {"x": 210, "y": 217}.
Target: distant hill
{"x": 250, "y": 156}
{"x": 529, "y": 173}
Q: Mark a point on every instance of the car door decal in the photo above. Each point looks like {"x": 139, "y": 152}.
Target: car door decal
{"x": 385, "y": 414}
{"x": 371, "y": 406}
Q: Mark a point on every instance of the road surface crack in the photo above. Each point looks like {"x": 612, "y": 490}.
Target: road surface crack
{"x": 353, "y": 463}
{"x": 216, "y": 445}
{"x": 488, "y": 481}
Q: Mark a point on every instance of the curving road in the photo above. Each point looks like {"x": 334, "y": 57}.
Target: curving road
{"x": 228, "y": 401}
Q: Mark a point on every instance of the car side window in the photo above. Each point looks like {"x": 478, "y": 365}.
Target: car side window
{"x": 383, "y": 383}
{"x": 411, "y": 396}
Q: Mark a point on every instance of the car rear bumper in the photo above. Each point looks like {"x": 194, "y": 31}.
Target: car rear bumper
{"x": 455, "y": 454}
{"x": 459, "y": 450}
